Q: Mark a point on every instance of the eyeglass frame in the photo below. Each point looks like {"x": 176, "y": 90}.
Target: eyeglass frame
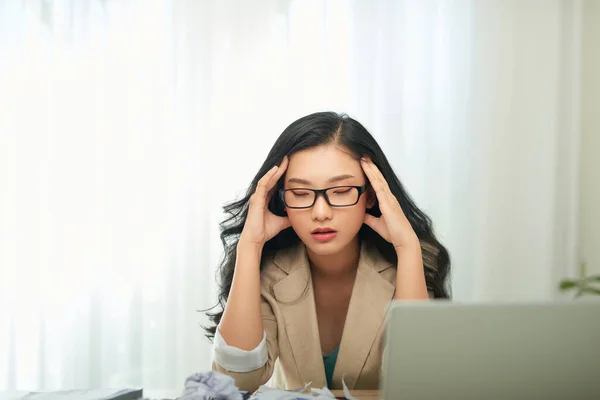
{"x": 322, "y": 192}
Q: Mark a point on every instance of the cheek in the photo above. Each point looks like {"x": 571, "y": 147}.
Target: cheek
{"x": 350, "y": 218}
{"x": 299, "y": 218}
{"x": 353, "y": 218}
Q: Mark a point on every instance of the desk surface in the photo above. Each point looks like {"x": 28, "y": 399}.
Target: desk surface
{"x": 359, "y": 394}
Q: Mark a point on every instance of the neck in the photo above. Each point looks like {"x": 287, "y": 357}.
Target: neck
{"x": 335, "y": 266}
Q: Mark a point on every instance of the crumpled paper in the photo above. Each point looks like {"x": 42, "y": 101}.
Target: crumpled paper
{"x": 210, "y": 385}
{"x": 216, "y": 385}
{"x": 268, "y": 393}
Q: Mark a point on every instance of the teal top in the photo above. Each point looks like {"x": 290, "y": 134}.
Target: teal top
{"x": 329, "y": 361}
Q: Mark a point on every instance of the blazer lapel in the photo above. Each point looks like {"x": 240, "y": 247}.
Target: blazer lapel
{"x": 297, "y": 304}
{"x": 371, "y": 296}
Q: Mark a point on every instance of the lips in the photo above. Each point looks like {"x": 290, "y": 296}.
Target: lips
{"x": 323, "y": 230}
{"x": 323, "y": 234}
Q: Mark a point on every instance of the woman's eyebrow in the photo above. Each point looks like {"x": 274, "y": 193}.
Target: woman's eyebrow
{"x": 330, "y": 180}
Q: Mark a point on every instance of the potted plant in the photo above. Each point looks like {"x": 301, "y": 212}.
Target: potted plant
{"x": 582, "y": 285}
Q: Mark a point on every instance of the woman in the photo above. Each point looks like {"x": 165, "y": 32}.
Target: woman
{"x": 324, "y": 239}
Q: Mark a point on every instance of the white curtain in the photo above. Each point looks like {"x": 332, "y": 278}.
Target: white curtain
{"x": 125, "y": 125}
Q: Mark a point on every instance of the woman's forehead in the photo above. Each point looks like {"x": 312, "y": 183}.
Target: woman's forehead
{"x": 322, "y": 164}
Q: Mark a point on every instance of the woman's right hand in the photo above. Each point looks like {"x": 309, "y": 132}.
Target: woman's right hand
{"x": 261, "y": 224}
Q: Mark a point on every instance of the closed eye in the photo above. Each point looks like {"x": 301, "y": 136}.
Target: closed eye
{"x": 301, "y": 193}
{"x": 342, "y": 190}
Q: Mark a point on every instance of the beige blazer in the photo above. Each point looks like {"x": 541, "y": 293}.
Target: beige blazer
{"x": 292, "y": 332}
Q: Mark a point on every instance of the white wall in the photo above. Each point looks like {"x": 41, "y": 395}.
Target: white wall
{"x": 589, "y": 218}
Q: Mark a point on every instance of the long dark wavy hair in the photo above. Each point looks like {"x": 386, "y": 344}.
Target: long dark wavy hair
{"x": 311, "y": 131}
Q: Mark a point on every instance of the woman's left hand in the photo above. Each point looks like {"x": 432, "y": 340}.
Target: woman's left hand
{"x": 393, "y": 225}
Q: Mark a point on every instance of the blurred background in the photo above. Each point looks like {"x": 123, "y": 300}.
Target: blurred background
{"x": 126, "y": 124}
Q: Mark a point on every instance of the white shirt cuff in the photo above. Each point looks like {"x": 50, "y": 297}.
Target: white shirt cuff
{"x": 238, "y": 360}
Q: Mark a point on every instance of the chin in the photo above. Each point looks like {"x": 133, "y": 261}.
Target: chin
{"x": 326, "y": 249}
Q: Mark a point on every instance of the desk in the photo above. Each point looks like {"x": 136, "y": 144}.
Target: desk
{"x": 359, "y": 394}
{"x": 172, "y": 394}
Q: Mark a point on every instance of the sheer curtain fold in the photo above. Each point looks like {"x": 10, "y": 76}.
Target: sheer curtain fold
{"x": 478, "y": 102}
{"x": 125, "y": 125}
{"x": 103, "y": 206}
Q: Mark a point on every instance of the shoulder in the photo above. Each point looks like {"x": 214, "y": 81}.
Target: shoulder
{"x": 372, "y": 259}
{"x": 280, "y": 264}
{"x": 269, "y": 272}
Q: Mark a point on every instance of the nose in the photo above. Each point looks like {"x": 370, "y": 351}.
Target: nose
{"x": 321, "y": 211}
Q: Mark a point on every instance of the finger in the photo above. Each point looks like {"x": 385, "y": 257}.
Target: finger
{"x": 272, "y": 184}
{"x": 284, "y": 223}
{"x": 371, "y": 221}
{"x": 385, "y": 197}
{"x": 377, "y": 225}
{"x": 279, "y": 173}
{"x": 261, "y": 187}
{"x": 376, "y": 173}
{"x": 376, "y": 183}
{"x": 268, "y": 181}
{"x": 392, "y": 200}
{"x": 279, "y": 224}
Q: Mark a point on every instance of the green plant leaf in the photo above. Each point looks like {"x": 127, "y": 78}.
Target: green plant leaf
{"x": 567, "y": 284}
{"x": 591, "y": 290}
{"x": 593, "y": 278}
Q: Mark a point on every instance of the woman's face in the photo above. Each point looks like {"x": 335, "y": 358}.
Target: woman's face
{"x": 324, "y": 167}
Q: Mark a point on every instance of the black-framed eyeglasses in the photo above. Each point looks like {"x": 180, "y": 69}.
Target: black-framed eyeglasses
{"x": 336, "y": 196}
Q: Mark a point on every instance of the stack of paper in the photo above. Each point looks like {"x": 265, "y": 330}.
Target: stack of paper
{"x": 85, "y": 394}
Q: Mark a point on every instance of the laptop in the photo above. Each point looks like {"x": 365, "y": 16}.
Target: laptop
{"x": 444, "y": 350}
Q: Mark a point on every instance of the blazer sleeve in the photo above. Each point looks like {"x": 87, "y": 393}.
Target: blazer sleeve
{"x": 238, "y": 360}
{"x": 251, "y": 380}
